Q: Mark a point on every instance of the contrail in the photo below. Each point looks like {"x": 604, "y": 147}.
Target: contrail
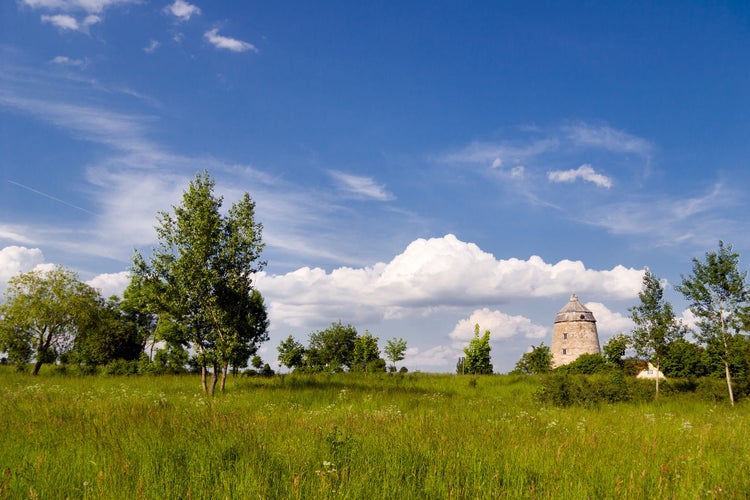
{"x": 50, "y": 197}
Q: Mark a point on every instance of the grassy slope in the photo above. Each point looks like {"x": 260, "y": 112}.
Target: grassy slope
{"x": 347, "y": 436}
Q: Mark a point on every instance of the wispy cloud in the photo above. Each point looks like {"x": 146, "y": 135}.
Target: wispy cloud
{"x": 151, "y": 47}
{"x": 585, "y": 172}
{"x": 608, "y": 138}
{"x": 231, "y": 44}
{"x": 67, "y": 61}
{"x": 362, "y": 187}
{"x": 90, "y": 6}
{"x": 182, "y": 10}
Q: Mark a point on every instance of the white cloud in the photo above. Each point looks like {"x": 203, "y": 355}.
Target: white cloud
{"x": 359, "y": 186}
{"x": 501, "y": 326}
{"x": 16, "y": 259}
{"x": 67, "y": 61}
{"x": 62, "y": 21}
{"x": 110, "y": 284}
{"x": 90, "y": 6}
{"x": 182, "y": 10}
{"x": 222, "y": 42}
{"x": 496, "y": 163}
{"x": 585, "y": 172}
{"x": 432, "y": 275}
{"x": 68, "y": 22}
{"x": 152, "y": 46}
{"x": 608, "y": 322}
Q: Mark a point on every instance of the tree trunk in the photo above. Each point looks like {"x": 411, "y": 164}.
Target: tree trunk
{"x": 729, "y": 382}
{"x": 657, "y": 381}
{"x": 224, "y": 377}
{"x": 214, "y": 379}
{"x": 203, "y": 378}
{"x": 37, "y": 366}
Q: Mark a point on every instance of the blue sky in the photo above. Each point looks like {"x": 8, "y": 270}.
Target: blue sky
{"x": 418, "y": 166}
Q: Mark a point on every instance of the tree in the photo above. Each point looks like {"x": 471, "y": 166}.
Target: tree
{"x": 655, "y": 324}
{"x": 106, "y": 334}
{"x": 717, "y": 293}
{"x": 366, "y": 352}
{"x": 332, "y": 349}
{"x": 201, "y": 278}
{"x": 684, "y": 359}
{"x": 395, "y": 350}
{"x": 42, "y": 314}
{"x": 478, "y": 353}
{"x": 291, "y": 353}
{"x": 615, "y": 348}
{"x": 537, "y": 360}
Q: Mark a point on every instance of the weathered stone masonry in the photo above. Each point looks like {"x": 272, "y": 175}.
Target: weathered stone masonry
{"x": 574, "y": 333}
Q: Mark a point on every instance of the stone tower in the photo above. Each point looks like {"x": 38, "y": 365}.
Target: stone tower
{"x": 574, "y": 333}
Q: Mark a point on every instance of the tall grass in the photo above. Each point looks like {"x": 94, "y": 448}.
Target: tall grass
{"x": 348, "y": 436}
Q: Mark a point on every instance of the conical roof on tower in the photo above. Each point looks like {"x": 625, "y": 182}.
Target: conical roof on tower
{"x": 574, "y": 311}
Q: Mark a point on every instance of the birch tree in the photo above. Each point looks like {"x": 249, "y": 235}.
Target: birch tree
{"x": 717, "y": 292}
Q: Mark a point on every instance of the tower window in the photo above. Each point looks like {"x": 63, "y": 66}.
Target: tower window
{"x": 565, "y": 351}
{"x": 565, "y": 336}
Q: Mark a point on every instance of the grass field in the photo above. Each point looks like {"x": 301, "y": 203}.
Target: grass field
{"x": 353, "y": 436}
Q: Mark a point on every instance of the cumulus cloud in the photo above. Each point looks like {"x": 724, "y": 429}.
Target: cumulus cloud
{"x": 364, "y": 187}
{"x": 17, "y": 259}
{"x": 232, "y": 44}
{"x": 110, "y": 284}
{"x": 182, "y": 10}
{"x": 609, "y": 322}
{"x": 432, "y": 275}
{"x": 501, "y": 326}
{"x": 585, "y": 172}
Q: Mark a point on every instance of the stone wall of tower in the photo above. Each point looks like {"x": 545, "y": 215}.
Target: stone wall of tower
{"x": 574, "y": 333}
{"x": 570, "y": 339}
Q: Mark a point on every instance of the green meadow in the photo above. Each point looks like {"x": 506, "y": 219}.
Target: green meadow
{"x": 358, "y": 436}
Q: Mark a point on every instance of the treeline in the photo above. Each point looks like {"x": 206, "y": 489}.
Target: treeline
{"x": 340, "y": 348}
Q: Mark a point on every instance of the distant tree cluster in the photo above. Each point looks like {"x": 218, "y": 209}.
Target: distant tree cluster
{"x": 339, "y": 348}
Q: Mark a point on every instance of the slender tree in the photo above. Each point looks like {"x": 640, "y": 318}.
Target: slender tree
{"x": 291, "y": 353}
{"x": 395, "y": 351}
{"x": 201, "y": 277}
{"x": 655, "y": 324}
{"x": 718, "y": 296}
{"x": 478, "y": 359}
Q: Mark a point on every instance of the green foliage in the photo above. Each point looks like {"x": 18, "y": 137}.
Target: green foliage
{"x": 684, "y": 359}
{"x": 395, "y": 351}
{"x": 718, "y": 297}
{"x": 615, "y": 348}
{"x": 366, "y": 353}
{"x": 291, "y": 353}
{"x": 331, "y": 349}
{"x": 43, "y": 313}
{"x": 586, "y": 364}
{"x": 477, "y": 353}
{"x": 201, "y": 278}
{"x": 538, "y": 360}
